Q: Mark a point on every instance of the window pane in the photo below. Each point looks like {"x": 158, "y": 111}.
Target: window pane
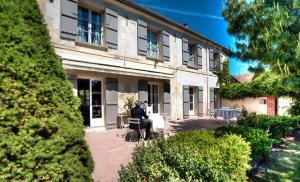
{"x": 96, "y": 86}
{"x": 152, "y": 44}
{"x": 155, "y": 89}
{"x": 191, "y": 55}
{"x": 83, "y": 23}
{"x": 155, "y": 108}
{"x": 96, "y": 28}
{"x": 96, "y": 100}
{"x": 97, "y": 113}
{"x": 191, "y": 106}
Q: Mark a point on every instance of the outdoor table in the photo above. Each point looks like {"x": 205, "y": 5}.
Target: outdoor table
{"x": 158, "y": 122}
{"x": 227, "y": 114}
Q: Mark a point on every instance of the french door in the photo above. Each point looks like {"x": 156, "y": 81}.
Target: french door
{"x": 191, "y": 101}
{"x": 91, "y": 102}
{"x": 153, "y": 97}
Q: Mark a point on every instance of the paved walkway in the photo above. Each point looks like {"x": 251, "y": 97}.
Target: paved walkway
{"x": 109, "y": 150}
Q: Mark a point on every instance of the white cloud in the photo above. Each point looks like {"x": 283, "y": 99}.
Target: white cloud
{"x": 187, "y": 13}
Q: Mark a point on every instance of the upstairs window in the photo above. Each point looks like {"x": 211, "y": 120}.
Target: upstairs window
{"x": 191, "y": 57}
{"x": 152, "y": 47}
{"x": 89, "y": 28}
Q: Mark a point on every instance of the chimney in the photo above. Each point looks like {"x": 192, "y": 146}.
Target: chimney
{"x": 186, "y": 25}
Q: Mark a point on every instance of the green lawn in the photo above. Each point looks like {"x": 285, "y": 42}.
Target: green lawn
{"x": 284, "y": 164}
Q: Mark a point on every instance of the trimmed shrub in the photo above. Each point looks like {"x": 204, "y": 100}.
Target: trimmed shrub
{"x": 259, "y": 140}
{"x": 41, "y": 128}
{"x": 190, "y": 156}
{"x": 277, "y": 126}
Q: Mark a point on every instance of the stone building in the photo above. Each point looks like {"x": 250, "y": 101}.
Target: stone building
{"x": 115, "y": 49}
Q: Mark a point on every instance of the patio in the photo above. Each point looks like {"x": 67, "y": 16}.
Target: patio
{"x": 109, "y": 150}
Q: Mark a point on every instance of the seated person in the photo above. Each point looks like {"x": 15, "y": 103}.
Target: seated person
{"x": 147, "y": 109}
{"x": 138, "y": 112}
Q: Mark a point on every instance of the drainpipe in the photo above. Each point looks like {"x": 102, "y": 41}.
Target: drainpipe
{"x": 206, "y": 75}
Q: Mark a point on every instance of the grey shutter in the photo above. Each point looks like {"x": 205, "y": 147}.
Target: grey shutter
{"x": 167, "y": 99}
{"x": 217, "y": 61}
{"x": 111, "y": 34}
{"x": 143, "y": 90}
{"x": 211, "y": 60}
{"x": 199, "y": 56}
{"x": 68, "y": 21}
{"x": 166, "y": 46}
{"x": 111, "y": 104}
{"x": 200, "y": 101}
{"x": 142, "y": 38}
{"x": 185, "y": 51}
{"x": 212, "y": 99}
{"x": 186, "y": 101}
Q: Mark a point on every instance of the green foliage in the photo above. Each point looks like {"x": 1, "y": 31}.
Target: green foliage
{"x": 223, "y": 74}
{"x": 129, "y": 103}
{"x": 190, "y": 156}
{"x": 277, "y": 126}
{"x": 41, "y": 128}
{"x": 266, "y": 31}
{"x": 263, "y": 85}
{"x": 259, "y": 140}
{"x": 294, "y": 109}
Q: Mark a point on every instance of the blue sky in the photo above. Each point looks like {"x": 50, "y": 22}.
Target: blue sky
{"x": 203, "y": 16}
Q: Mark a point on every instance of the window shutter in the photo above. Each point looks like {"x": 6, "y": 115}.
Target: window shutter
{"x": 166, "y": 46}
{"x": 143, "y": 90}
{"x": 142, "y": 38}
{"x": 217, "y": 61}
{"x": 200, "y": 101}
{"x": 211, "y": 60}
{"x": 111, "y": 34}
{"x": 199, "y": 56}
{"x": 185, "y": 101}
{"x": 185, "y": 51}
{"x": 68, "y": 20}
{"x": 212, "y": 99}
{"x": 167, "y": 99}
{"x": 111, "y": 104}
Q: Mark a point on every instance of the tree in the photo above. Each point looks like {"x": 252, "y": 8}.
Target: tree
{"x": 41, "y": 128}
{"x": 267, "y": 31}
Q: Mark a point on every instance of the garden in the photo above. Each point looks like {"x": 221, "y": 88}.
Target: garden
{"x": 225, "y": 154}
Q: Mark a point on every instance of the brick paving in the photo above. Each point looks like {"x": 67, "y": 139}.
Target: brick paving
{"x": 109, "y": 150}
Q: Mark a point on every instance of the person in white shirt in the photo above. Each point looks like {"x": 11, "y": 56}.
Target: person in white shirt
{"x": 147, "y": 109}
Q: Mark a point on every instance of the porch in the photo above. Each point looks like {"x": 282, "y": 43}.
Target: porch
{"x": 109, "y": 150}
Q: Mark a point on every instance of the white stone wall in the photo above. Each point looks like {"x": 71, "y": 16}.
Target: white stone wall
{"x": 253, "y": 105}
{"x": 125, "y": 60}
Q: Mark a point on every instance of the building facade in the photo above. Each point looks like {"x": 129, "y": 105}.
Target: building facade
{"x": 116, "y": 49}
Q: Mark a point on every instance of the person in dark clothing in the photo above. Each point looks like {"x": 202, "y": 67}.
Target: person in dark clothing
{"x": 138, "y": 112}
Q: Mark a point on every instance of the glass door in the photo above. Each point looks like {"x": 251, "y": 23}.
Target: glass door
{"x": 84, "y": 96}
{"x": 192, "y": 101}
{"x": 96, "y": 107}
{"x": 153, "y": 97}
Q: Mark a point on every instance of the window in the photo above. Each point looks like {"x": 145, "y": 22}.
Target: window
{"x": 191, "y": 58}
{"x": 89, "y": 26}
{"x": 152, "y": 40}
{"x": 191, "y": 93}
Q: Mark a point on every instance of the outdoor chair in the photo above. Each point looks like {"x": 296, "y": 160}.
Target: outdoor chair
{"x": 134, "y": 127}
{"x": 167, "y": 123}
{"x": 123, "y": 125}
{"x": 212, "y": 115}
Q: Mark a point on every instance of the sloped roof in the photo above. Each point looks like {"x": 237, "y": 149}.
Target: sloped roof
{"x": 243, "y": 78}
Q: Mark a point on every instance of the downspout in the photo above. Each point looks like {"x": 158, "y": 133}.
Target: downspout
{"x": 206, "y": 80}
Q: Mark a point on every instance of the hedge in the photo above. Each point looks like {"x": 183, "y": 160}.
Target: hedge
{"x": 190, "y": 156}
{"x": 259, "y": 140}
{"x": 277, "y": 126}
{"x": 41, "y": 128}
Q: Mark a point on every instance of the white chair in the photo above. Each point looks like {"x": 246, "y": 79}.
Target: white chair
{"x": 123, "y": 125}
{"x": 212, "y": 115}
{"x": 136, "y": 128}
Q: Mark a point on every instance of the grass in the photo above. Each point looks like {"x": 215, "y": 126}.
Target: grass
{"x": 283, "y": 165}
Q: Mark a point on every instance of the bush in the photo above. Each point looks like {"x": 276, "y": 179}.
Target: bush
{"x": 41, "y": 128}
{"x": 259, "y": 140}
{"x": 277, "y": 126}
{"x": 190, "y": 156}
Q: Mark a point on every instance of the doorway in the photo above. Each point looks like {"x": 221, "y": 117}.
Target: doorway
{"x": 91, "y": 102}
{"x": 153, "y": 97}
{"x": 192, "y": 101}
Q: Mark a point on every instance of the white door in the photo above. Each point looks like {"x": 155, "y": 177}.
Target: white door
{"x": 192, "y": 101}
{"x": 153, "y": 97}
{"x": 96, "y": 103}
